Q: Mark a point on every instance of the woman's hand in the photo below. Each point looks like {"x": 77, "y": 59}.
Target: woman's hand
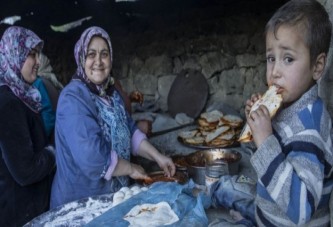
{"x": 125, "y": 168}
{"x": 166, "y": 164}
{"x": 148, "y": 151}
{"x": 137, "y": 172}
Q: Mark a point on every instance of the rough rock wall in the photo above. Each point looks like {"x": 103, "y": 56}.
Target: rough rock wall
{"x": 221, "y": 39}
{"x": 326, "y": 83}
{"x": 226, "y": 47}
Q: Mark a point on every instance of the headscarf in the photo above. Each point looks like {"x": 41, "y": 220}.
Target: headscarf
{"x": 15, "y": 45}
{"x": 45, "y": 70}
{"x": 80, "y": 53}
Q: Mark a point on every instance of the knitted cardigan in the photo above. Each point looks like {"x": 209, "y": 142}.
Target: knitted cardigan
{"x": 294, "y": 166}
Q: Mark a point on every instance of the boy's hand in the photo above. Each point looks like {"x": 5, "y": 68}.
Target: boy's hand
{"x": 250, "y": 102}
{"x": 260, "y": 124}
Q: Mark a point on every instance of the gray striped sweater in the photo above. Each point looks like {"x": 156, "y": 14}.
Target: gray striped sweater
{"x": 294, "y": 166}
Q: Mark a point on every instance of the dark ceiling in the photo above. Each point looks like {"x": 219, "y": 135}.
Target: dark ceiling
{"x": 128, "y": 23}
{"x": 38, "y": 15}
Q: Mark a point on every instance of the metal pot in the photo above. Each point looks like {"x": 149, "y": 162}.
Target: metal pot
{"x": 197, "y": 162}
{"x": 197, "y": 173}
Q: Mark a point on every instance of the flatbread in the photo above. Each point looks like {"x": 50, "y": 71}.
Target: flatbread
{"x": 220, "y": 142}
{"x": 212, "y": 117}
{"x": 202, "y": 122}
{"x": 211, "y": 136}
{"x": 188, "y": 134}
{"x": 198, "y": 140}
{"x": 214, "y": 129}
{"x": 151, "y": 215}
{"x": 272, "y": 101}
{"x": 228, "y": 135}
{"x": 232, "y": 120}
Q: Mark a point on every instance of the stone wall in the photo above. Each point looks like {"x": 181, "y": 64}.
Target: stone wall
{"x": 227, "y": 46}
{"x": 223, "y": 40}
{"x": 326, "y": 83}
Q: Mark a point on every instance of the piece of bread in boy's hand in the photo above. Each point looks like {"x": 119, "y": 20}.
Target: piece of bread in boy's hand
{"x": 272, "y": 100}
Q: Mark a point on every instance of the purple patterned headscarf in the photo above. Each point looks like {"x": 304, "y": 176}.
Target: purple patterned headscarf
{"x": 80, "y": 53}
{"x": 15, "y": 45}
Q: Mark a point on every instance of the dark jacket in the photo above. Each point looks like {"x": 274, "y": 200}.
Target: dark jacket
{"x": 26, "y": 165}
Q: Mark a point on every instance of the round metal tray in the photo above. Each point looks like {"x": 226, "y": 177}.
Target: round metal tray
{"x": 188, "y": 94}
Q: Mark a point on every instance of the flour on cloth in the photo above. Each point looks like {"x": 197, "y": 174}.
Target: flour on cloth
{"x": 151, "y": 215}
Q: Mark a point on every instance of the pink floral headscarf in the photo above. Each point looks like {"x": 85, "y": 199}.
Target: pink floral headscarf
{"x": 15, "y": 45}
{"x": 80, "y": 53}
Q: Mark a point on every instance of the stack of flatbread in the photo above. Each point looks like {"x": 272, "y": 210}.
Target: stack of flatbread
{"x": 272, "y": 100}
{"x": 215, "y": 129}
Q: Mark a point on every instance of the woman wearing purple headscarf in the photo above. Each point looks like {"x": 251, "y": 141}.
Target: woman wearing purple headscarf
{"x": 95, "y": 135}
{"x": 26, "y": 162}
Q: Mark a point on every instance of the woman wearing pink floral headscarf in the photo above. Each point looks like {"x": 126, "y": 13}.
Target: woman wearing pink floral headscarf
{"x": 26, "y": 162}
{"x": 95, "y": 135}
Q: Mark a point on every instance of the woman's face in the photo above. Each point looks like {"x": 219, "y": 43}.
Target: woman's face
{"x": 98, "y": 61}
{"x": 30, "y": 66}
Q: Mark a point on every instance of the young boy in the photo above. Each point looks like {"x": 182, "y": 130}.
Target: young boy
{"x": 293, "y": 160}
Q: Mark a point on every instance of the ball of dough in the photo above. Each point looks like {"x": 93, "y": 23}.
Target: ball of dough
{"x": 127, "y": 196}
{"x": 134, "y": 188}
{"x": 124, "y": 189}
{"x": 116, "y": 201}
{"x": 119, "y": 194}
{"x": 136, "y": 191}
{"x": 129, "y": 193}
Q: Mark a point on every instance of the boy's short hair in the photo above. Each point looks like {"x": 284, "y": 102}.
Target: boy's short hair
{"x": 311, "y": 18}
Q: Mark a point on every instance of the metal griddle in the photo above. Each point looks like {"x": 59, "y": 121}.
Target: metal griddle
{"x": 188, "y": 94}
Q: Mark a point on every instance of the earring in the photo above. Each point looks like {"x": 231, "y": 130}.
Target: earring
{"x": 111, "y": 80}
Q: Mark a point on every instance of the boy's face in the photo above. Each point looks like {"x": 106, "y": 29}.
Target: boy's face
{"x": 288, "y": 63}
